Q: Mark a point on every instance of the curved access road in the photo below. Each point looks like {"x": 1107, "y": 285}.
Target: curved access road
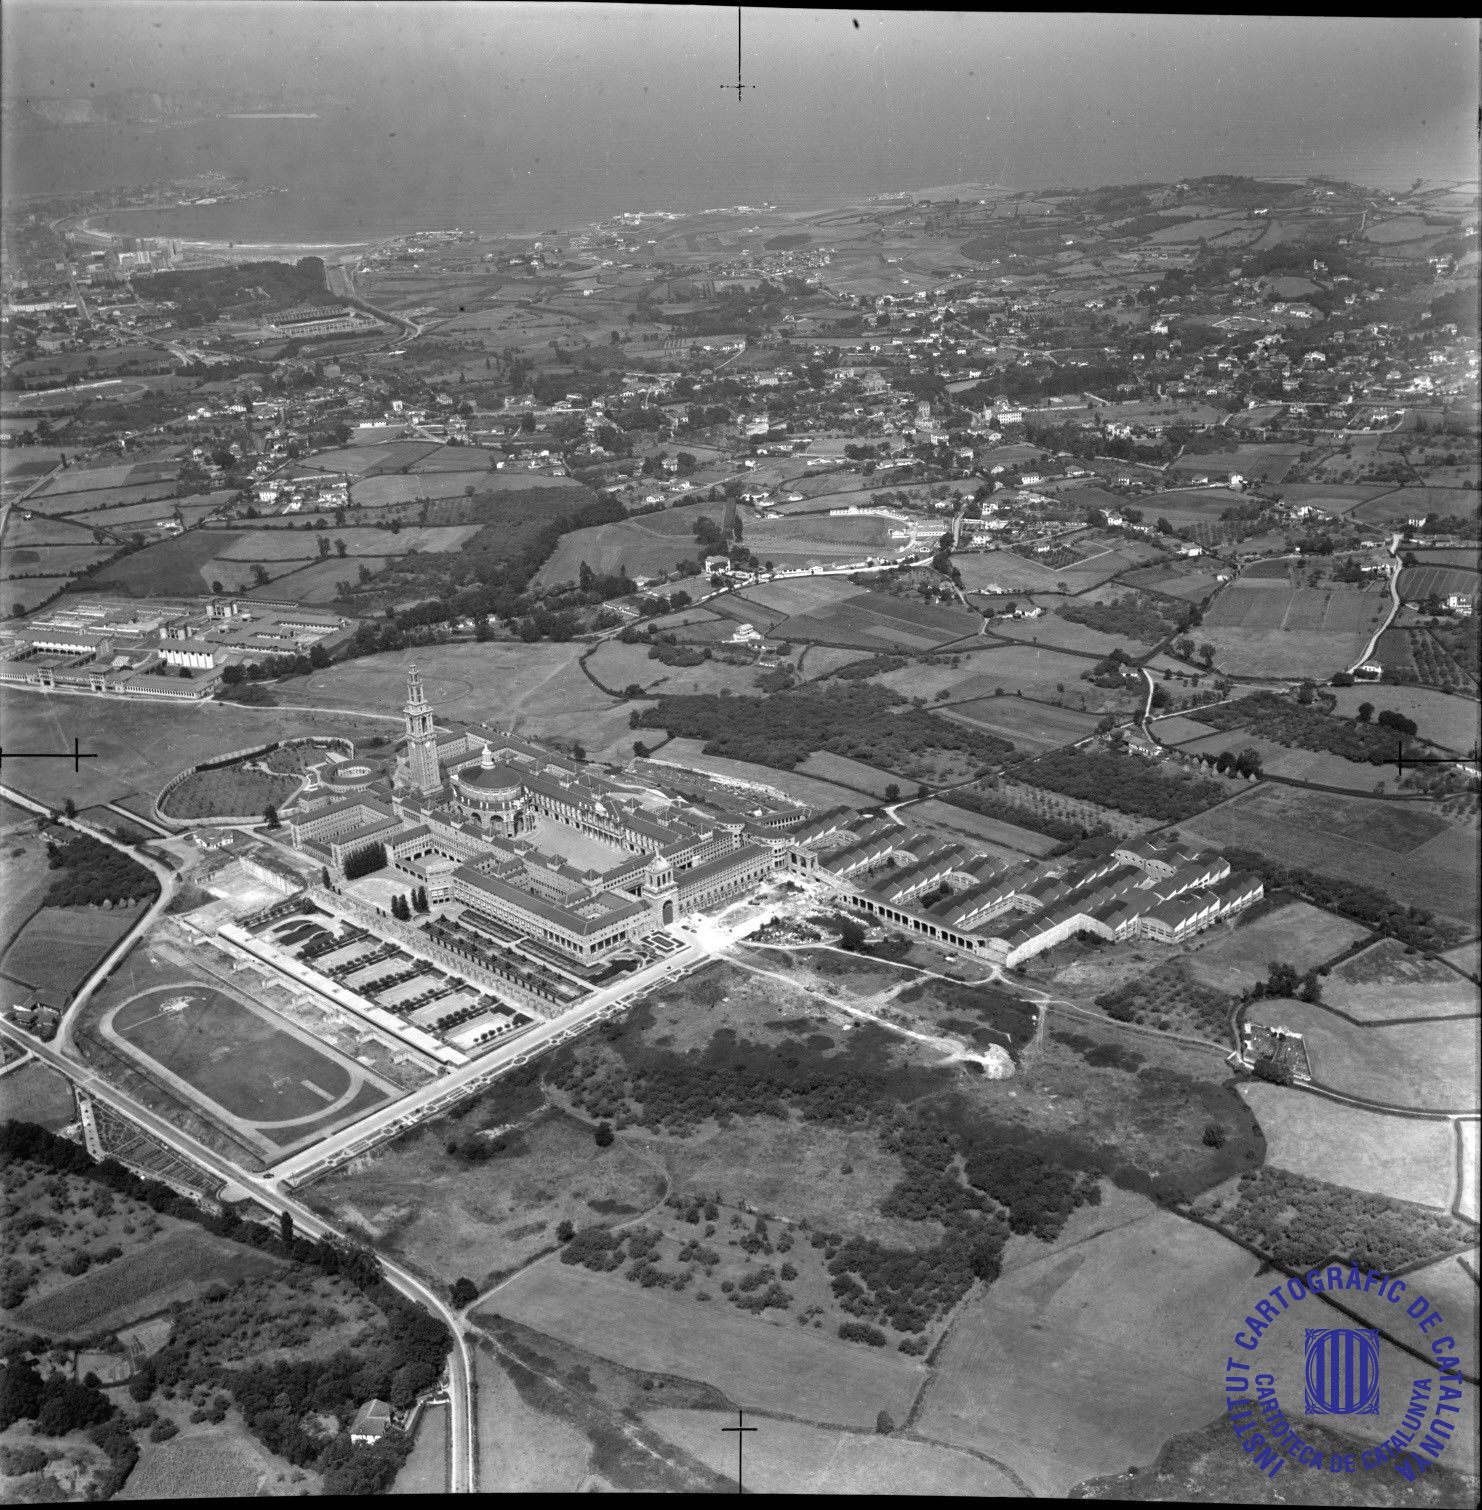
{"x": 266, "y": 1192}
{"x": 1394, "y": 607}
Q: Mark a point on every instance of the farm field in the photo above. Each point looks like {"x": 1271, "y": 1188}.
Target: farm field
{"x": 57, "y": 949}
{"x": 484, "y": 1220}
{"x": 268, "y": 545}
{"x": 995, "y": 571}
{"x": 1346, "y": 1145}
{"x": 1418, "y": 583}
{"x": 166, "y": 567}
{"x": 313, "y": 586}
{"x": 139, "y": 516}
{"x": 536, "y": 1452}
{"x": 1300, "y": 934}
{"x": 1038, "y": 671}
{"x": 1399, "y": 504}
{"x": 36, "y": 1093}
{"x": 1430, "y": 1065}
{"x": 1053, "y": 632}
{"x": 1467, "y": 1182}
{"x": 24, "y": 594}
{"x": 24, "y": 877}
{"x": 1384, "y": 982}
{"x": 854, "y": 773}
{"x": 387, "y": 490}
{"x": 1320, "y": 766}
{"x": 52, "y": 560}
{"x": 1013, "y": 842}
{"x": 358, "y": 461}
{"x": 172, "y": 1267}
{"x": 1032, "y": 727}
{"x": 755, "y": 1364}
{"x": 1446, "y": 720}
{"x": 426, "y": 1470}
{"x": 800, "y": 595}
{"x": 799, "y": 1459}
{"x": 648, "y": 546}
{"x": 1189, "y": 584}
{"x": 1260, "y": 627}
{"x": 880, "y": 620}
{"x": 206, "y": 1462}
{"x": 98, "y": 504}
{"x": 1405, "y": 849}
{"x": 1067, "y": 1339}
{"x": 86, "y": 479}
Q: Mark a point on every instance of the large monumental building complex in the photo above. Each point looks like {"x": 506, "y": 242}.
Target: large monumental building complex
{"x": 580, "y": 864}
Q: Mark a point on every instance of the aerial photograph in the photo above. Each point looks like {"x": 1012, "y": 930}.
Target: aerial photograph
{"x": 739, "y": 752}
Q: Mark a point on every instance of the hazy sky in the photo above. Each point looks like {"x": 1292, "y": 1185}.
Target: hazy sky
{"x": 1036, "y": 97}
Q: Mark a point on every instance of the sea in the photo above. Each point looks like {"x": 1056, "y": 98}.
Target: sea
{"x": 353, "y": 176}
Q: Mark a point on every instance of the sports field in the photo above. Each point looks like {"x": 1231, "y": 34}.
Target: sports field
{"x": 237, "y": 1057}
{"x": 785, "y": 1368}
{"x": 1406, "y": 849}
{"x": 1430, "y": 1065}
{"x": 1402, "y": 1157}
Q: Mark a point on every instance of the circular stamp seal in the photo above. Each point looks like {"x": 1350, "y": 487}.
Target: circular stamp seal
{"x": 1335, "y": 1371}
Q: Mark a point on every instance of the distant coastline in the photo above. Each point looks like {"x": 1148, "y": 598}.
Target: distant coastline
{"x": 271, "y": 115}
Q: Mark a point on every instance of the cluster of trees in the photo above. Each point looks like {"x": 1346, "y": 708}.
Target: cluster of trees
{"x": 397, "y": 1364}
{"x": 1309, "y": 727}
{"x": 1129, "y": 617}
{"x": 365, "y": 861}
{"x": 1283, "y": 979}
{"x": 1129, "y": 783}
{"x": 91, "y": 871}
{"x": 1364, "y": 904}
{"x": 1301, "y": 1223}
{"x": 976, "y": 800}
{"x": 402, "y": 907}
{"x": 875, "y": 665}
{"x": 866, "y": 722}
{"x": 276, "y": 666}
{"x": 200, "y": 294}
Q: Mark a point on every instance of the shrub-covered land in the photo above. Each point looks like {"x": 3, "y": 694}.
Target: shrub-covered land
{"x": 1129, "y": 783}
{"x": 1307, "y": 727}
{"x": 1364, "y": 904}
{"x": 866, "y": 723}
{"x": 978, "y": 1177}
{"x": 1128, "y": 618}
{"x": 90, "y": 871}
{"x": 281, "y": 1399}
{"x": 1169, "y": 997}
{"x": 874, "y": 665}
{"x": 1303, "y": 1222}
{"x": 204, "y": 292}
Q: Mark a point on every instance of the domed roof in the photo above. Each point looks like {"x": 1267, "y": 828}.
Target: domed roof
{"x": 486, "y": 776}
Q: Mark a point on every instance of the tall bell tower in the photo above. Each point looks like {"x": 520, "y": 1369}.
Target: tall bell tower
{"x": 421, "y": 736}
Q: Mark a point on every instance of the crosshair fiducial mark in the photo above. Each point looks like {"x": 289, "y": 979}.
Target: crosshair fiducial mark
{"x": 738, "y": 86}
{"x": 76, "y": 755}
{"x": 740, "y": 1428}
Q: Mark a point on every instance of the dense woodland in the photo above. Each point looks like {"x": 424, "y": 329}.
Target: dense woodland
{"x": 1309, "y": 727}
{"x": 1129, "y": 783}
{"x": 864, "y": 722}
{"x": 90, "y": 871}
{"x": 203, "y": 293}
{"x": 395, "y": 1362}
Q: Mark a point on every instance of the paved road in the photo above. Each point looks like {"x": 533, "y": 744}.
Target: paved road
{"x": 265, "y": 1191}
{"x": 1394, "y": 593}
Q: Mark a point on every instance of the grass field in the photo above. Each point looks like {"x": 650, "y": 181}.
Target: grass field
{"x": 1345, "y": 1145}
{"x": 1301, "y": 935}
{"x": 228, "y": 792}
{"x": 1420, "y": 582}
{"x": 1063, "y": 1369}
{"x": 267, "y": 545}
{"x": 140, "y": 744}
{"x": 882, "y": 620}
{"x": 618, "y": 665}
{"x": 1320, "y": 766}
{"x": 794, "y": 1371}
{"x": 24, "y": 877}
{"x": 522, "y": 1448}
{"x": 647, "y": 546}
{"x": 852, "y": 773}
{"x": 1427, "y": 1065}
{"x": 426, "y": 1470}
{"x": 57, "y": 949}
{"x": 36, "y": 1093}
{"x": 1468, "y": 1183}
{"x": 234, "y": 1056}
{"x": 170, "y": 566}
{"x": 170, "y": 1268}
{"x": 482, "y": 1220}
{"x": 787, "y": 1457}
{"x": 1385, "y": 982}
{"x": 801, "y": 595}
{"x": 1404, "y": 849}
